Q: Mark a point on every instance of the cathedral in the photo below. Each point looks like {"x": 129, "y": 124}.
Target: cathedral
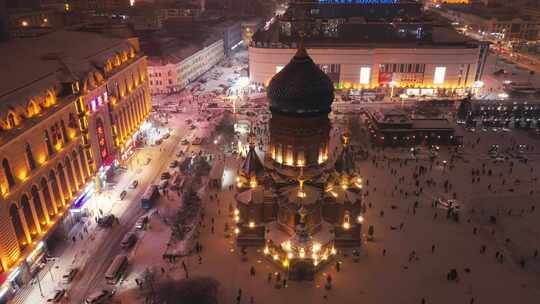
{"x": 302, "y": 202}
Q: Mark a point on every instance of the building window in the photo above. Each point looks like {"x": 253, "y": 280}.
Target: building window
{"x": 440, "y": 73}
{"x": 365, "y": 75}
{"x": 30, "y": 157}
{"x": 47, "y": 140}
{"x": 64, "y": 132}
{"x": 7, "y": 173}
{"x": 11, "y": 120}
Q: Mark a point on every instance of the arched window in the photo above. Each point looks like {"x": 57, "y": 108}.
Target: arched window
{"x": 30, "y": 157}
{"x": 64, "y": 132}
{"x": 11, "y": 120}
{"x": 7, "y": 173}
{"x": 47, "y": 140}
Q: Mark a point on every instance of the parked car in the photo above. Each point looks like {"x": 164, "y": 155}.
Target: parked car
{"x": 106, "y": 221}
{"x": 99, "y": 297}
{"x": 123, "y": 194}
{"x": 57, "y": 296}
{"x": 166, "y": 135}
{"x": 128, "y": 241}
{"x": 163, "y": 184}
{"x": 192, "y": 127}
{"x": 165, "y": 175}
{"x": 184, "y": 142}
{"x": 141, "y": 223}
{"x": 69, "y": 275}
{"x": 134, "y": 184}
{"x": 173, "y": 164}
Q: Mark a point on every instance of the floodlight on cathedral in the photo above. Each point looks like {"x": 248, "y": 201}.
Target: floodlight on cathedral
{"x": 252, "y": 169}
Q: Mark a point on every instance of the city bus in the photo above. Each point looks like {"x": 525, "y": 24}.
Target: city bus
{"x": 116, "y": 269}
{"x": 149, "y": 197}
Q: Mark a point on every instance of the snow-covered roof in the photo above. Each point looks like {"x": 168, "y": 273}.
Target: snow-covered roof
{"x": 33, "y": 61}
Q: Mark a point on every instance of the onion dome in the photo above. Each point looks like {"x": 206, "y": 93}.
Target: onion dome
{"x": 301, "y": 88}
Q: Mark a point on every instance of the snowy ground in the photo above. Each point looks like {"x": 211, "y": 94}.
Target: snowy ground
{"x": 392, "y": 278}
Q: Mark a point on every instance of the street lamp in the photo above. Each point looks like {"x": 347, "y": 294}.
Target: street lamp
{"x": 392, "y": 84}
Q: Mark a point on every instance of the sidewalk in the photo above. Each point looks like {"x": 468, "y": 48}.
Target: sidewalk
{"x": 75, "y": 254}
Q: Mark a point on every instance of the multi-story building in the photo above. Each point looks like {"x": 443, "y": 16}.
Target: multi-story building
{"x": 358, "y": 50}
{"x": 172, "y": 72}
{"x": 153, "y": 17}
{"x": 494, "y": 23}
{"x": 232, "y": 35}
{"x": 99, "y": 5}
{"x": 70, "y": 102}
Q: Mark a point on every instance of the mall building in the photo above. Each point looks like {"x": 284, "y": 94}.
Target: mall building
{"x": 394, "y": 46}
{"x": 70, "y": 103}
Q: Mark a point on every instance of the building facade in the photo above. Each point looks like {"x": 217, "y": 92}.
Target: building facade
{"x": 70, "y": 103}
{"x": 173, "y": 72}
{"x": 370, "y": 46}
{"x": 372, "y": 67}
{"x": 500, "y": 24}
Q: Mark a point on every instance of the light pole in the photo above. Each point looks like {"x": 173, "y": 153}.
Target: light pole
{"x": 392, "y": 86}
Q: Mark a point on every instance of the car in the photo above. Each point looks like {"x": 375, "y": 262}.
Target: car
{"x": 166, "y": 136}
{"x": 192, "y": 127}
{"x": 57, "y": 296}
{"x": 141, "y": 223}
{"x": 129, "y": 240}
{"x": 163, "y": 184}
{"x": 189, "y": 121}
{"x": 197, "y": 141}
{"x": 158, "y": 142}
{"x": 498, "y": 159}
{"x": 165, "y": 175}
{"x": 123, "y": 194}
{"x": 134, "y": 184}
{"x": 184, "y": 142}
{"x": 173, "y": 164}
{"x": 69, "y": 275}
{"x": 106, "y": 221}
{"x": 99, "y": 297}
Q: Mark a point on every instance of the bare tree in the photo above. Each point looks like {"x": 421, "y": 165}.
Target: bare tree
{"x": 201, "y": 290}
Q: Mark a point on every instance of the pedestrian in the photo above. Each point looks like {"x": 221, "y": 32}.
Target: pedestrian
{"x": 338, "y": 266}
{"x": 252, "y": 271}
{"x": 200, "y": 260}
{"x": 74, "y": 239}
{"x": 251, "y": 300}
{"x": 162, "y": 270}
{"x": 433, "y": 248}
{"x": 269, "y": 277}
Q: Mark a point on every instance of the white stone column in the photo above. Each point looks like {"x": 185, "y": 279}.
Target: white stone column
{"x": 24, "y": 225}
{"x": 34, "y": 215}
{"x": 43, "y": 205}
{"x": 68, "y": 182}
{"x": 60, "y": 189}
{"x": 52, "y": 196}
